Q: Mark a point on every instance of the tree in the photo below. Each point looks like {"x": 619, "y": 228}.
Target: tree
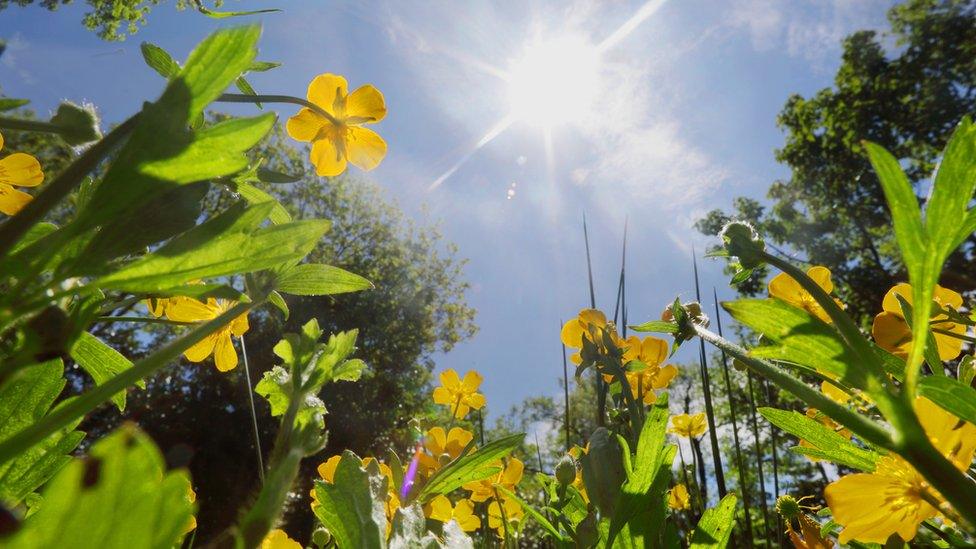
{"x": 111, "y": 19}
{"x": 831, "y": 211}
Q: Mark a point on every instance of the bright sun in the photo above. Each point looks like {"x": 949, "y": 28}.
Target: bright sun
{"x": 555, "y": 82}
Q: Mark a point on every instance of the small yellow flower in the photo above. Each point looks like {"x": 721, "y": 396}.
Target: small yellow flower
{"x": 460, "y": 396}
{"x": 652, "y": 352}
{"x": 678, "y": 498}
{"x": 440, "y": 508}
{"x": 21, "y": 170}
{"x": 512, "y": 512}
{"x": 278, "y": 539}
{"x": 219, "y": 343}
{"x": 439, "y": 444}
{"x": 688, "y": 426}
{"x": 873, "y": 506}
{"x": 343, "y": 137}
{"x": 784, "y": 287}
{"x": 892, "y": 333}
{"x": 327, "y": 470}
{"x": 589, "y": 324}
{"x": 508, "y": 477}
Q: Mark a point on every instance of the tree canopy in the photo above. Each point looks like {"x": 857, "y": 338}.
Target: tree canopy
{"x": 905, "y": 89}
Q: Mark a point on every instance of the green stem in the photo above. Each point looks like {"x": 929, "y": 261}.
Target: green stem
{"x": 862, "y": 426}
{"x": 963, "y": 337}
{"x": 248, "y": 98}
{"x": 28, "y": 125}
{"x": 73, "y": 409}
{"x": 57, "y": 190}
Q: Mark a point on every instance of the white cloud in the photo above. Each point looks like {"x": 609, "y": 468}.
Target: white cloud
{"x": 807, "y": 29}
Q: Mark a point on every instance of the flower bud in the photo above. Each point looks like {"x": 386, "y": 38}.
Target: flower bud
{"x": 566, "y": 470}
{"x": 321, "y": 537}
{"x": 743, "y": 242}
{"x": 787, "y": 506}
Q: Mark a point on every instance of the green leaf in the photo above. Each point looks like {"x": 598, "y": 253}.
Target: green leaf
{"x": 270, "y": 176}
{"x": 9, "y": 103}
{"x": 255, "y": 195}
{"x": 905, "y": 212}
{"x": 658, "y": 326}
{"x": 829, "y": 444}
{"x": 230, "y": 243}
{"x": 245, "y": 87}
{"x": 262, "y": 66}
{"x": 277, "y": 388}
{"x": 535, "y": 514}
{"x": 952, "y": 191}
{"x": 119, "y": 497}
{"x": 469, "y": 467}
{"x": 275, "y": 299}
{"x": 332, "y": 363}
{"x": 25, "y": 398}
{"x": 162, "y": 146}
{"x": 715, "y": 527}
{"x": 950, "y": 395}
{"x": 967, "y": 370}
{"x": 317, "y": 279}
{"x": 796, "y": 336}
{"x": 637, "y": 498}
{"x": 352, "y": 506}
{"x": 159, "y": 60}
{"x": 101, "y": 362}
{"x": 225, "y": 14}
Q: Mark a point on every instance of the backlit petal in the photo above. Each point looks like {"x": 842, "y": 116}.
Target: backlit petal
{"x": 328, "y": 91}
{"x": 472, "y": 380}
{"x": 890, "y": 302}
{"x": 443, "y": 396}
{"x": 821, "y": 275}
{"x": 225, "y": 357}
{"x": 653, "y": 350}
{"x": 572, "y": 334}
{"x": 305, "y": 125}
{"x": 440, "y": 509}
{"x": 364, "y": 148}
{"x": 476, "y": 401}
{"x": 365, "y": 105}
{"x": 201, "y": 350}
{"x": 12, "y": 200}
{"x": 891, "y": 333}
{"x": 328, "y": 159}
{"x": 450, "y": 380}
{"x": 189, "y": 310}
{"x": 784, "y": 287}
{"x": 21, "y": 169}
{"x": 327, "y": 468}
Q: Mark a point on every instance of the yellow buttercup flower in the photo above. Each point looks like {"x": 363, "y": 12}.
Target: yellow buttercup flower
{"x": 891, "y": 332}
{"x": 219, "y": 343}
{"x": 678, "y": 498}
{"x": 278, "y": 539}
{"x": 652, "y": 351}
{"x": 512, "y": 512}
{"x": 21, "y": 170}
{"x": 440, "y": 508}
{"x": 341, "y": 138}
{"x": 785, "y": 288}
{"x": 589, "y": 324}
{"x": 508, "y": 477}
{"x": 688, "y": 426}
{"x": 894, "y": 498}
{"x": 327, "y": 469}
{"x": 439, "y": 444}
{"x": 460, "y": 396}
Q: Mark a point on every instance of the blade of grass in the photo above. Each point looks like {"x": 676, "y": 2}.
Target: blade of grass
{"x": 707, "y": 390}
{"x": 601, "y": 395}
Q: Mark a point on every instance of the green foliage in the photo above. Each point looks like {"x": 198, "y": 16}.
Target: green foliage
{"x": 825, "y": 442}
{"x": 469, "y": 467}
{"x": 23, "y": 400}
{"x": 831, "y": 211}
{"x": 100, "y": 361}
{"x": 351, "y": 506}
{"x": 951, "y": 395}
{"x": 120, "y": 496}
{"x": 715, "y": 527}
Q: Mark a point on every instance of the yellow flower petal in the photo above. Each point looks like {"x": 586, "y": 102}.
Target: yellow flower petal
{"x": 472, "y": 380}
{"x": 189, "y": 310}
{"x": 327, "y": 157}
{"x": 365, "y": 148}
{"x": 450, "y": 379}
{"x": 21, "y": 169}
{"x": 890, "y": 302}
{"x": 891, "y": 333}
{"x": 329, "y": 91}
{"x": 476, "y": 401}
{"x": 821, "y": 275}
{"x": 305, "y": 125}
{"x": 200, "y": 351}
{"x": 465, "y": 517}
{"x": 327, "y": 468}
{"x": 278, "y": 539}
{"x": 240, "y": 325}
{"x": 365, "y": 105}
{"x": 572, "y": 334}
{"x": 442, "y": 396}
{"x": 653, "y": 351}
{"x": 225, "y": 357}
{"x": 440, "y": 509}
{"x": 436, "y": 442}
{"x": 12, "y": 200}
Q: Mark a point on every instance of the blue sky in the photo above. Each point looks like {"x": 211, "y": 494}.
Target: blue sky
{"x": 682, "y": 120}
